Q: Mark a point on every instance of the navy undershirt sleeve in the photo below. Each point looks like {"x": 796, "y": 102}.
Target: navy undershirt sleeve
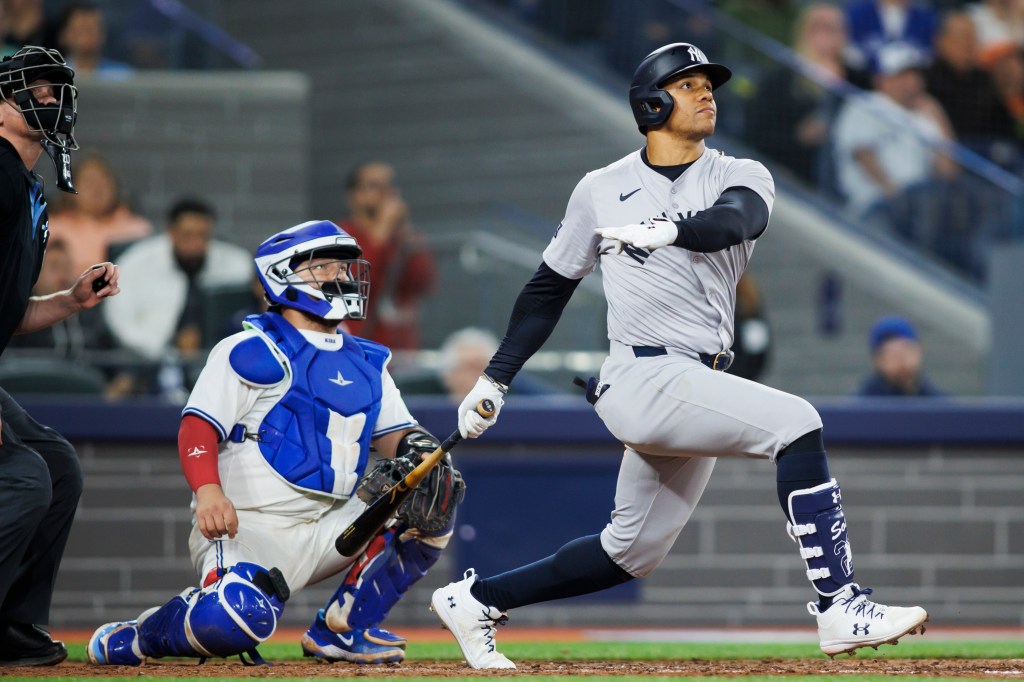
{"x": 738, "y": 215}
{"x": 534, "y": 316}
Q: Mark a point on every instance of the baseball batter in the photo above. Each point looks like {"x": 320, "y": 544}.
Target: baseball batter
{"x": 673, "y": 226}
{"x": 274, "y": 442}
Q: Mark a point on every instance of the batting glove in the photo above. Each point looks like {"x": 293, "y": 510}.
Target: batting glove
{"x": 660, "y": 232}
{"x": 471, "y": 424}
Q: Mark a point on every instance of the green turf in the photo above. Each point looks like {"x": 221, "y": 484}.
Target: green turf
{"x": 911, "y": 647}
{"x": 916, "y": 647}
{"x": 573, "y": 651}
{"x": 819, "y": 678}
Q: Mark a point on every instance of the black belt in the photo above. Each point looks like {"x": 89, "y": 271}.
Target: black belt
{"x": 717, "y": 361}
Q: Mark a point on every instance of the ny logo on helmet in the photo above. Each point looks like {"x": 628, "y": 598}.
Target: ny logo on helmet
{"x": 696, "y": 55}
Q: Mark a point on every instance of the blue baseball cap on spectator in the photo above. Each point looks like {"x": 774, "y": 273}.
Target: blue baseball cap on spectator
{"x": 890, "y": 327}
{"x": 896, "y": 57}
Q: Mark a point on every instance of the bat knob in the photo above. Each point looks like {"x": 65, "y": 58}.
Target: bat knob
{"x": 485, "y": 408}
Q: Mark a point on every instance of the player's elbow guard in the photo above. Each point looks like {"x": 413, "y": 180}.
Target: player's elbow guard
{"x": 197, "y": 450}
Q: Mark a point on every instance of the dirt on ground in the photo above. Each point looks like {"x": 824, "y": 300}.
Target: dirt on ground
{"x": 979, "y": 668}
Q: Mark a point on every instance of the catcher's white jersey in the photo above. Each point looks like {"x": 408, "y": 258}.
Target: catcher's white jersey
{"x": 222, "y": 399}
{"x": 670, "y": 297}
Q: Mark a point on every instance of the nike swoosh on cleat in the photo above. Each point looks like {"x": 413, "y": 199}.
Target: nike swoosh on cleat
{"x": 623, "y": 197}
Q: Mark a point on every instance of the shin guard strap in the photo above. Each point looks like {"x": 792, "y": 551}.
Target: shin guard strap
{"x": 818, "y": 525}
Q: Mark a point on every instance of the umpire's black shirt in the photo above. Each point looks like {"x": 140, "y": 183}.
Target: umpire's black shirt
{"x": 24, "y": 229}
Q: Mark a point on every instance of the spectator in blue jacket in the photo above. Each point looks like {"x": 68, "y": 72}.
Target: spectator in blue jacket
{"x": 897, "y": 355}
{"x": 874, "y": 23}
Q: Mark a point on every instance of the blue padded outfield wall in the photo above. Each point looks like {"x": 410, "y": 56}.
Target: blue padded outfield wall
{"x": 934, "y": 495}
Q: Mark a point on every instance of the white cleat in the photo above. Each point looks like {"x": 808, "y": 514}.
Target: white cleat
{"x": 853, "y": 621}
{"x": 471, "y": 622}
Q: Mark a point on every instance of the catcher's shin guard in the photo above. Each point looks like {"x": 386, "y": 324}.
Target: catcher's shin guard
{"x": 391, "y": 563}
{"x": 229, "y": 617}
{"x": 818, "y": 525}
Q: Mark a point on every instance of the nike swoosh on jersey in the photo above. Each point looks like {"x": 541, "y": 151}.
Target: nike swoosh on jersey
{"x": 623, "y": 197}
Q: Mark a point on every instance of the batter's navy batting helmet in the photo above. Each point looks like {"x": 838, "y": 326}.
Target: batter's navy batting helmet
{"x": 665, "y": 63}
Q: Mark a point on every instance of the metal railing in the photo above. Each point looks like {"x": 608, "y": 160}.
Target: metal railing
{"x": 955, "y": 221}
{"x": 174, "y": 34}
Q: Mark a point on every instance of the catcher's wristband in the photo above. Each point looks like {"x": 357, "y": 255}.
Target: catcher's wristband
{"x": 497, "y": 384}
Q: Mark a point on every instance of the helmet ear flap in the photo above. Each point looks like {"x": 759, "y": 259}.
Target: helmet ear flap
{"x": 665, "y": 104}
{"x": 652, "y": 110}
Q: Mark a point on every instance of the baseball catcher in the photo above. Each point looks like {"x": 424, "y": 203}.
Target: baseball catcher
{"x": 275, "y": 442}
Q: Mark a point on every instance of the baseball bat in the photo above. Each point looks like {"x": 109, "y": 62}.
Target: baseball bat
{"x": 380, "y": 510}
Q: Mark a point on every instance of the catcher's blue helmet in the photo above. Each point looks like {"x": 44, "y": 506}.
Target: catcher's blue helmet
{"x": 656, "y": 69}
{"x": 337, "y": 294}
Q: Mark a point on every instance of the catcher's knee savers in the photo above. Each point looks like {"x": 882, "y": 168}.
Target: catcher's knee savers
{"x": 230, "y": 617}
{"x": 393, "y": 561}
{"x": 818, "y": 525}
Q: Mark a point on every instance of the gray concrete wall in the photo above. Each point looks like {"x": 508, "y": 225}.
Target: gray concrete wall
{"x": 938, "y": 527}
{"x": 237, "y": 140}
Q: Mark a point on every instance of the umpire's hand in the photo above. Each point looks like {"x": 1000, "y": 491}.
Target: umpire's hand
{"x": 215, "y": 513}
{"x": 95, "y": 284}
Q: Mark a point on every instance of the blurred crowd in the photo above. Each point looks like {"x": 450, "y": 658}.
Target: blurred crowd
{"x": 901, "y": 110}
{"x": 111, "y": 38}
{"x": 183, "y": 289}
{"x": 866, "y": 109}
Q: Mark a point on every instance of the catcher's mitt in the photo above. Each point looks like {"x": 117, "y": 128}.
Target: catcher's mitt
{"x": 431, "y": 505}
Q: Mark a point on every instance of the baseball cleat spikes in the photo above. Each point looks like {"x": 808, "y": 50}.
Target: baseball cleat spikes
{"x": 443, "y": 626}
{"x": 853, "y": 621}
{"x": 470, "y": 622}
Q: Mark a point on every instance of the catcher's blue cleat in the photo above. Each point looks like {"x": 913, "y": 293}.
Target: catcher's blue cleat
{"x": 116, "y": 644}
{"x": 369, "y": 645}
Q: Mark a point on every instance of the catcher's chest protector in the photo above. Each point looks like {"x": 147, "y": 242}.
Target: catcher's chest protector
{"x": 318, "y": 435}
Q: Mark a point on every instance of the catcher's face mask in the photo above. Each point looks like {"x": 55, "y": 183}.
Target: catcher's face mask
{"x": 315, "y": 267}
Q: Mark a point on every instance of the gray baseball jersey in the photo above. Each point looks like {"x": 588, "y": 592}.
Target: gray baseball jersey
{"x": 670, "y": 297}
{"x": 674, "y": 415}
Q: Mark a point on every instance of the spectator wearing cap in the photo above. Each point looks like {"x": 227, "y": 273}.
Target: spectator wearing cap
{"x": 888, "y": 140}
{"x": 875, "y": 24}
{"x": 897, "y": 355}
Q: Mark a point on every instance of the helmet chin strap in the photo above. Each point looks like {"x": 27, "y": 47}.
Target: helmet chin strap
{"x": 61, "y": 158}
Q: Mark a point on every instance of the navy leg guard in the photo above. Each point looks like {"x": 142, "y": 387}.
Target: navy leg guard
{"x": 802, "y": 464}
{"x": 818, "y": 525}
{"x": 391, "y": 563}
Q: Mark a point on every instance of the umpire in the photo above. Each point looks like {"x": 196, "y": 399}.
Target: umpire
{"x": 40, "y": 478}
